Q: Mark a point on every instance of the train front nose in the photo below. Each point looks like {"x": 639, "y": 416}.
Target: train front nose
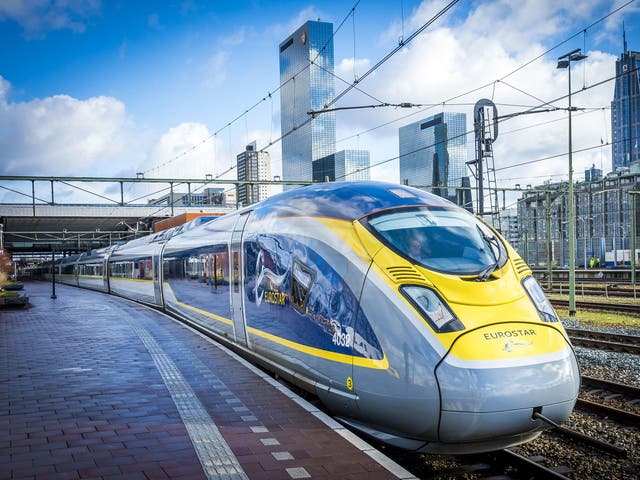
{"x": 494, "y": 378}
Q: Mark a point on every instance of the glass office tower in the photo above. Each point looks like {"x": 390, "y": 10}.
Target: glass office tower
{"x": 625, "y": 111}
{"x": 345, "y": 165}
{"x": 307, "y": 83}
{"x": 433, "y": 152}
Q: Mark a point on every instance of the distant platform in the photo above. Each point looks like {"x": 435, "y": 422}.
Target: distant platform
{"x": 95, "y": 386}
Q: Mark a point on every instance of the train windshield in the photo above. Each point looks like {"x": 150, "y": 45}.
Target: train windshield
{"x": 444, "y": 239}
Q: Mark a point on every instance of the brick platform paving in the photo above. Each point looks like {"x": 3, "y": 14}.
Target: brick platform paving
{"x": 94, "y": 386}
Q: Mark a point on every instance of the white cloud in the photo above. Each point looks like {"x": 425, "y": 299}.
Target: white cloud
{"x": 4, "y": 90}
{"x": 237, "y": 38}
{"x": 188, "y": 151}
{"x": 184, "y": 151}
{"x": 453, "y": 57}
{"x": 613, "y": 23}
{"x": 282, "y": 30}
{"x": 215, "y": 70}
{"x": 37, "y": 17}
{"x": 61, "y": 135}
{"x": 348, "y": 68}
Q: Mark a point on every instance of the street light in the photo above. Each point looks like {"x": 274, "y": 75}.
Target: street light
{"x": 564, "y": 61}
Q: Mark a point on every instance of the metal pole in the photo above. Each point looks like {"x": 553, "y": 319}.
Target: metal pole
{"x": 572, "y": 259}
{"x": 52, "y": 198}
{"x": 629, "y": 64}
{"x": 587, "y": 234}
{"x": 171, "y": 197}
{"x": 33, "y": 196}
{"x": 615, "y": 250}
{"x": 633, "y": 238}
{"x": 548, "y": 229}
{"x": 480, "y": 179}
{"x": 53, "y": 273}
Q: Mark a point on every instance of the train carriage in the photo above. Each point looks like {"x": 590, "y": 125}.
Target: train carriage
{"x": 91, "y": 269}
{"x": 411, "y": 320}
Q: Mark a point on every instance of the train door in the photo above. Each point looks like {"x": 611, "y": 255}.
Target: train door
{"x": 236, "y": 272}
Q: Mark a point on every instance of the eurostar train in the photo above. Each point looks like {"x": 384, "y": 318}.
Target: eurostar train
{"x": 409, "y": 318}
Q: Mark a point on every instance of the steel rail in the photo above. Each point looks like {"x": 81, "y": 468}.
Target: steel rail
{"x": 532, "y": 469}
{"x": 609, "y": 292}
{"x": 614, "y": 387}
{"x": 605, "y": 345}
{"x": 605, "y": 341}
{"x": 581, "y": 437}
{"x": 600, "y": 306}
{"x": 627, "y": 418}
{"x": 623, "y": 416}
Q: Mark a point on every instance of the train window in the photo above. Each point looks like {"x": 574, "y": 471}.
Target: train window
{"x": 444, "y": 239}
{"x": 301, "y": 281}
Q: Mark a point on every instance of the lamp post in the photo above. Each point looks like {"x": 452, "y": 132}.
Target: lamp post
{"x": 564, "y": 61}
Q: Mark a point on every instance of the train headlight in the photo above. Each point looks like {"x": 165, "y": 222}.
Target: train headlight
{"x": 433, "y": 308}
{"x": 539, "y": 299}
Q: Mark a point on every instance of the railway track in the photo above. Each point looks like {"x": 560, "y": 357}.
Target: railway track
{"x": 517, "y": 464}
{"x": 604, "y": 341}
{"x": 609, "y": 291}
{"x": 510, "y": 464}
{"x": 499, "y": 464}
{"x": 600, "y": 306}
{"x": 624, "y": 417}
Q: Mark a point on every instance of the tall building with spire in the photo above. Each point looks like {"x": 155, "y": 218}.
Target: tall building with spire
{"x": 625, "y": 110}
{"x": 307, "y": 83}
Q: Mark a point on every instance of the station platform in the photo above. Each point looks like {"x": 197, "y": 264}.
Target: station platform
{"x": 95, "y": 386}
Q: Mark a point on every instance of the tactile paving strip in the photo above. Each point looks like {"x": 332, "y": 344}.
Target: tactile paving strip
{"x": 216, "y": 457}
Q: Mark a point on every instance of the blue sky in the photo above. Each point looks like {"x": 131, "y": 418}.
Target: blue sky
{"x": 111, "y": 88}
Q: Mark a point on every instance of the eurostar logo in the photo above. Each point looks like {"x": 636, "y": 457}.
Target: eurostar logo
{"x": 510, "y": 345}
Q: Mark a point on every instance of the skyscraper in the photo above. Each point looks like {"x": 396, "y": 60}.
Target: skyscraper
{"x": 433, "y": 152}
{"x": 306, "y": 78}
{"x": 253, "y": 165}
{"x": 345, "y": 165}
{"x": 625, "y": 110}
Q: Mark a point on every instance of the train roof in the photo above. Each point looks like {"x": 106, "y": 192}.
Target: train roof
{"x": 346, "y": 200}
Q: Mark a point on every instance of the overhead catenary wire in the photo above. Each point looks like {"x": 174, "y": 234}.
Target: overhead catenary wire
{"x": 352, "y": 10}
{"x": 495, "y": 82}
{"x": 272, "y": 142}
{"x": 521, "y": 91}
{"x": 429, "y": 22}
{"x": 335, "y": 99}
{"x": 371, "y": 70}
{"x": 269, "y": 95}
{"x": 334, "y": 75}
{"x": 531, "y": 110}
{"x": 263, "y": 99}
